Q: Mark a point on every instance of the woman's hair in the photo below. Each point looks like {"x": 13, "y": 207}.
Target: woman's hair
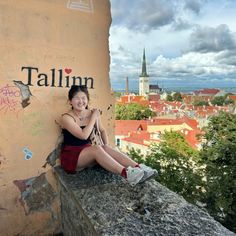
{"x": 74, "y": 89}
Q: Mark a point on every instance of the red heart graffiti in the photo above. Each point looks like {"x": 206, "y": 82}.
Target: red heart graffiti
{"x": 68, "y": 71}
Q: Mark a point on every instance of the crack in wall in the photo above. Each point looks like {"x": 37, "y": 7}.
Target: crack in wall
{"x": 54, "y": 155}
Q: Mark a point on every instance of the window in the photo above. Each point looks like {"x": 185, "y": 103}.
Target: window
{"x": 118, "y": 142}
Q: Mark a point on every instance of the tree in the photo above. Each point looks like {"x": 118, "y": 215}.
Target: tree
{"x": 219, "y": 100}
{"x": 177, "y": 97}
{"x": 229, "y": 101}
{"x": 201, "y": 103}
{"x": 222, "y": 100}
{"x": 219, "y": 155}
{"x": 132, "y": 111}
{"x": 169, "y": 98}
{"x": 120, "y": 111}
{"x": 177, "y": 165}
{"x": 117, "y": 94}
{"x": 208, "y": 176}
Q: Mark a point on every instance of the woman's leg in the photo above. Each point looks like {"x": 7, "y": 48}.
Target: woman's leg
{"x": 120, "y": 157}
{"x": 96, "y": 153}
{"x": 126, "y": 161}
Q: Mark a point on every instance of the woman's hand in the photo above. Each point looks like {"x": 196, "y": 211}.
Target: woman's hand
{"x": 95, "y": 113}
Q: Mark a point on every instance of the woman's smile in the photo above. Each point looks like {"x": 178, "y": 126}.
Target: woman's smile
{"x": 79, "y": 101}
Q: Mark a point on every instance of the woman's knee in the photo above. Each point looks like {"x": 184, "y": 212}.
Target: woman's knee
{"x": 96, "y": 150}
{"x": 106, "y": 148}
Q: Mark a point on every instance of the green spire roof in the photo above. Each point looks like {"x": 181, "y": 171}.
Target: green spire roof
{"x": 144, "y": 70}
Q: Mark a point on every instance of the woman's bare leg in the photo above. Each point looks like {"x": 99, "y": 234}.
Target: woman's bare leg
{"x": 96, "y": 153}
{"x": 120, "y": 157}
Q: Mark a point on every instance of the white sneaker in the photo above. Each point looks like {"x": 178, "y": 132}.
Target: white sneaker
{"x": 148, "y": 172}
{"x": 134, "y": 175}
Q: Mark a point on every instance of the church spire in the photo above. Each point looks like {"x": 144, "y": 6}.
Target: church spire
{"x": 144, "y": 70}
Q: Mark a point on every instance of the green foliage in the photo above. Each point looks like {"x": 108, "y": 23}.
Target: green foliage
{"x": 219, "y": 155}
{"x": 229, "y": 101}
{"x": 169, "y": 98}
{"x": 176, "y": 141}
{"x": 132, "y": 111}
{"x": 208, "y": 176}
{"x": 136, "y": 155}
{"x": 176, "y": 163}
{"x": 201, "y": 103}
{"x": 177, "y": 97}
{"x": 221, "y": 100}
{"x": 117, "y": 94}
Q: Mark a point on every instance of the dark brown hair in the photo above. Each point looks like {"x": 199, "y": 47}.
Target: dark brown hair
{"x": 74, "y": 89}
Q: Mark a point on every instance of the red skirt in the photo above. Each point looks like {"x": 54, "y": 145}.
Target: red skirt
{"x": 70, "y": 156}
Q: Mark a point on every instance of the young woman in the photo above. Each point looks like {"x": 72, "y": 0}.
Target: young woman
{"x": 77, "y": 151}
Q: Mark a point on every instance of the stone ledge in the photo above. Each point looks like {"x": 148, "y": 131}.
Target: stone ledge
{"x": 96, "y": 202}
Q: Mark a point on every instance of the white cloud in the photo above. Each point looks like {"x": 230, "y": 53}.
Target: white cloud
{"x": 192, "y": 64}
{"x": 209, "y": 39}
{"x": 184, "y": 40}
{"x": 145, "y": 15}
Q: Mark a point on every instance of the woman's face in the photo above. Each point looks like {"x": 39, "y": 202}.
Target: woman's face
{"x": 79, "y": 101}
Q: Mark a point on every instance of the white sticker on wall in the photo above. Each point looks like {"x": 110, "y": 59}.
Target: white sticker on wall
{"x": 81, "y": 5}
{"x": 28, "y": 153}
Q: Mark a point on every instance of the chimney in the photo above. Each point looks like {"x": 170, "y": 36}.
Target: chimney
{"x": 127, "y": 86}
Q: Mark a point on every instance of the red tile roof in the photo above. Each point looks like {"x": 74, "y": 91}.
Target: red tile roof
{"x": 136, "y": 130}
{"x": 154, "y": 97}
{"x": 188, "y": 99}
{"x": 173, "y": 104}
{"x": 160, "y": 121}
{"x": 191, "y": 122}
{"x": 126, "y": 99}
{"x": 191, "y": 137}
{"x": 124, "y": 127}
{"x": 233, "y": 97}
{"x": 204, "y": 111}
{"x": 207, "y": 92}
{"x": 138, "y": 137}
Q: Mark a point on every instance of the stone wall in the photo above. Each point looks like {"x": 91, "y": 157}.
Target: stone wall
{"x": 95, "y": 202}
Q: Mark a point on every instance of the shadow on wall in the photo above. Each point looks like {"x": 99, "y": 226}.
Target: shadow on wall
{"x": 37, "y": 195}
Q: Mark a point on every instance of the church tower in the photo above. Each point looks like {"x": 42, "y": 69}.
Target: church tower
{"x": 144, "y": 78}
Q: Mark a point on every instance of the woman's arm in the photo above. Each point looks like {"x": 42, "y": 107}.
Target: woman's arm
{"x": 102, "y": 131}
{"x": 69, "y": 124}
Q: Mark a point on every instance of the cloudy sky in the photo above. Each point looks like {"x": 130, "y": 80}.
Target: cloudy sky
{"x": 188, "y": 43}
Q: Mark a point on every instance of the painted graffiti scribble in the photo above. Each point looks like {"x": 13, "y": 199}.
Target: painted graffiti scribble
{"x": 82, "y": 5}
{"x": 9, "y": 91}
{"x": 33, "y": 124}
{"x": 7, "y": 104}
{"x": 9, "y": 101}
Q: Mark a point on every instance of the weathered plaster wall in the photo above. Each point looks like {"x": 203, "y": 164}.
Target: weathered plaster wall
{"x": 44, "y": 46}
